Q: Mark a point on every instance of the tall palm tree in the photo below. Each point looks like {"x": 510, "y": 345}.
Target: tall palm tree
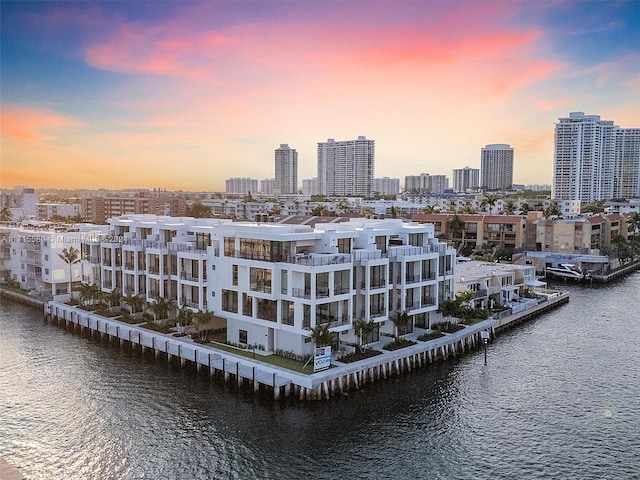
{"x": 401, "y": 320}
{"x": 488, "y": 201}
{"x": 70, "y": 256}
{"x": 114, "y": 297}
{"x": 455, "y": 225}
{"x": 321, "y": 336}
{"x": 185, "y": 315}
{"x": 200, "y": 319}
{"x": 135, "y": 303}
{"x": 160, "y": 308}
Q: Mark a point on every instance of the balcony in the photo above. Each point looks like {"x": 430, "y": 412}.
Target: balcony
{"x": 412, "y": 278}
{"x": 190, "y": 278}
{"x": 407, "y": 251}
{"x": 322, "y": 292}
{"x": 317, "y": 259}
{"x": 413, "y": 306}
{"x": 378, "y": 314}
{"x": 129, "y": 266}
{"x": 364, "y": 255}
{"x": 185, "y": 248}
{"x": 338, "y": 322}
{"x": 480, "y": 293}
{"x": 301, "y": 293}
{"x": 196, "y": 305}
{"x": 428, "y": 302}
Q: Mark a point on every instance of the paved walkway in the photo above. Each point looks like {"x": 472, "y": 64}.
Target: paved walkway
{"x": 8, "y": 471}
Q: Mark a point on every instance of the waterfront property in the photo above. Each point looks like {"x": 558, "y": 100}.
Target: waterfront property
{"x": 272, "y": 284}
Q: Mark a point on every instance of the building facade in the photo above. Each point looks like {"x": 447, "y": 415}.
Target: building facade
{"x": 241, "y": 185}
{"x": 466, "y": 179}
{"x": 346, "y": 168}
{"x": 273, "y": 283}
{"x": 496, "y": 167}
{"x": 286, "y": 170}
{"x": 386, "y": 186}
{"x": 595, "y": 159}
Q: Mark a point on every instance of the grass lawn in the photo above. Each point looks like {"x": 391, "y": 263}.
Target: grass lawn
{"x": 276, "y": 360}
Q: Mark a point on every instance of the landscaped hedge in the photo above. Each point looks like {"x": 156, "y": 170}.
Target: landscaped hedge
{"x": 430, "y": 336}
{"x": 361, "y": 355}
{"x": 447, "y": 327}
{"x": 398, "y": 344}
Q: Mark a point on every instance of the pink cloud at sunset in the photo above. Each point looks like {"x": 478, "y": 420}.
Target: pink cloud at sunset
{"x": 218, "y": 86}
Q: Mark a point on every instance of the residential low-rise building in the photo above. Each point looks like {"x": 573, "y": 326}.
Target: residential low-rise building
{"x": 273, "y": 283}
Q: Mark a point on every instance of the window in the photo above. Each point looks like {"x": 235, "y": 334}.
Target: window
{"x": 267, "y": 309}
{"x": 230, "y": 301}
{"x": 381, "y": 243}
{"x": 234, "y": 275}
{"x": 306, "y": 316}
{"x": 260, "y": 280}
{"x": 378, "y": 305}
{"x": 242, "y": 336}
{"x": 341, "y": 282}
{"x": 284, "y": 281}
{"x": 378, "y": 279}
{"x": 344, "y": 245}
{"x": 322, "y": 284}
{"x": 247, "y": 305}
{"x": 287, "y": 312}
{"x": 229, "y": 247}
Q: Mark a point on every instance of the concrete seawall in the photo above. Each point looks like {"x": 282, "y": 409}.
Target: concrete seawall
{"x": 21, "y": 298}
{"x": 280, "y": 382}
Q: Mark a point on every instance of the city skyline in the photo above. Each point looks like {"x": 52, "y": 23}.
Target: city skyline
{"x": 184, "y": 96}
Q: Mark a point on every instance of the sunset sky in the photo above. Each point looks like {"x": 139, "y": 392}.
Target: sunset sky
{"x": 182, "y": 95}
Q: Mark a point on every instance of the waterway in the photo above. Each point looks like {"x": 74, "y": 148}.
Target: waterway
{"x": 559, "y": 398}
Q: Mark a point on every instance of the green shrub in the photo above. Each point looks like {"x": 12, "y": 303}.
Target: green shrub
{"x": 430, "y": 336}
{"x": 398, "y": 344}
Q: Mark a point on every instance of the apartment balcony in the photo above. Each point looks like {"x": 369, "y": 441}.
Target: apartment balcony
{"x": 428, "y": 276}
{"x": 341, "y": 291}
{"x": 190, "y": 278}
{"x": 33, "y": 275}
{"x": 196, "y": 305}
{"x": 107, "y": 284}
{"x": 413, "y": 306}
{"x": 378, "y": 314}
{"x": 483, "y": 292}
{"x": 107, "y": 262}
{"x": 322, "y": 292}
{"x": 185, "y": 248}
{"x": 428, "y": 302}
{"x": 374, "y": 285}
{"x": 93, "y": 260}
{"x": 365, "y": 255}
{"x": 338, "y": 322}
{"x": 317, "y": 259}
{"x": 412, "y": 278}
{"x": 301, "y": 293}
{"x": 407, "y": 251}
{"x": 129, "y": 266}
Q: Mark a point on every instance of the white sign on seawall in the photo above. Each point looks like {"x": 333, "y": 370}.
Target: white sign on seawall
{"x": 485, "y": 335}
{"x": 321, "y": 358}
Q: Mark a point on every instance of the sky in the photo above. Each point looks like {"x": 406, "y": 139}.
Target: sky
{"x": 183, "y": 95}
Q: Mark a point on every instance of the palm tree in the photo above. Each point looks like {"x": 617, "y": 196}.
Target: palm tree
{"x": 114, "y": 297}
{"x": 160, "y": 308}
{"x": 634, "y": 227}
{"x": 86, "y": 293}
{"x": 429, "y": 209}
{"x": 551, "y": 211}
{"x": 524, "y": 208}
{"x": 488, "y": 201}
{"x": 321, "y": 335}
{"x": 401, "y": 320}
{"x": 456, "y": 226}
{"x": 510, "y": 208}
{"x": 185, "y": 315}
{"x": 200, "y": 319}
{"x": 135, "y": 302}
{"x": 70, "y": 256}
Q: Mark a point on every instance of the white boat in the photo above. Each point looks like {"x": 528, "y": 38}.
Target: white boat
{"x": 566, "y": 270}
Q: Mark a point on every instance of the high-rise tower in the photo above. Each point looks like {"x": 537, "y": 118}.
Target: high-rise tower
{"x": 496, "y": 167}
{"x": 286, "y": 170}
{"x": 346, "y": 167}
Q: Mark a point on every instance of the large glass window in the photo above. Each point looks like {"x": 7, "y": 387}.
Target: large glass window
{"x": 265, "y": 250}
{"x": 344, "y": 245}
{"x": 341, "y": 282}
{"x": 381, "y": 243}
{"x": 306, "y": 316}
{"x": 284, "y": 281}
{"x": 230, "y": 301}
{"x": 260, "y": 280}
{"x": 287, "y": 312}
{"x": 322, "y": 284}
{"x": 378, "y": 276}
{"x": 267, "y": 309}
{"x": 234, "y": 275}
{"x": 377, "y": 305}
{"x": 229, "y": 247}
{"x": 247, "y": 305}
{"x": 326, "y": 312}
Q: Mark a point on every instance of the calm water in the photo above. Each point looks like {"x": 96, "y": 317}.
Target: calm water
{"x": 560, "y": 398}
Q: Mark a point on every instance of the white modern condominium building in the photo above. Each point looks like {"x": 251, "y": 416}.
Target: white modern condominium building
{"x": 346, "y": 168}
{"x": 595, "y": 159}
{"x": 496, "y": 167}
{"x": 273, "y": 283}
{"x": 286, "y": 170}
